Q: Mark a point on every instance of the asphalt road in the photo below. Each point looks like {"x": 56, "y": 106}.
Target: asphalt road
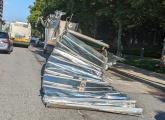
{"x": 20, "y": 82}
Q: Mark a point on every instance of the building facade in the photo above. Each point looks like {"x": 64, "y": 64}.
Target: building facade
{"x": 1, "y": 13}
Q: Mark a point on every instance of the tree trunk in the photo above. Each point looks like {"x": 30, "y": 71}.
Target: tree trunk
{"x": 163, "y": 55}
{"x": 71, "y": 6}
{"x": 119, "y": 44}
{"x": 95, "y": 28}
{"x": 155, "y": 38}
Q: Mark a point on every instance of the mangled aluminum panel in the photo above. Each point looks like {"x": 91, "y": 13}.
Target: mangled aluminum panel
{"x": 99, "y": 46}
{"x": 71, "y": 66}
{"x": 87, "y": 53}
{"x": 73, "y": 78}
{"x": 90, "y": 41}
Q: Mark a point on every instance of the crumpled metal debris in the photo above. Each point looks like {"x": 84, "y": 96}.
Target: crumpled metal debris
{"x": 73, "y": 78}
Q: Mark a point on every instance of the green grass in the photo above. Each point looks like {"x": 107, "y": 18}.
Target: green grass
{"x": 145, "y": 63}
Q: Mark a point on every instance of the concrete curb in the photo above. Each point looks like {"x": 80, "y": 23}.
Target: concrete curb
{"x": 137, "y": 78}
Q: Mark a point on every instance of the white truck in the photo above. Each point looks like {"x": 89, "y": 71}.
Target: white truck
{"x": 20, "y": 33}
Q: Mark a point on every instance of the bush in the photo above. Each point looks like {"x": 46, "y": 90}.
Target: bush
{"x": 145, "y": 63}
{"x": 148, "y": 52}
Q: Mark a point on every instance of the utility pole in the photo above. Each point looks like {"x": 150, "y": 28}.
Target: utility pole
{"x": 163, "y": 55}
{"x": 1, "y": 13}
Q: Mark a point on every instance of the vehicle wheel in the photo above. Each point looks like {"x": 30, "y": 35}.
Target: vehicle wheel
{"x": 26, "y": 46}
{"x": 8, "y": 52}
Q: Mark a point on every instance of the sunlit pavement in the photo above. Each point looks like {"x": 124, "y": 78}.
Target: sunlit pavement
{"x": 20, "y": 82}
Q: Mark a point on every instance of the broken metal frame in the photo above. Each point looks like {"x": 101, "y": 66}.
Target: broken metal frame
{"x": 104, "y": 45}
{"x": 73, "y": 78}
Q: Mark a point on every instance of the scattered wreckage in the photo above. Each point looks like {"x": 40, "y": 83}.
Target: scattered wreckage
{"x": 73, "y": 78}
{"x": 53, "y": 27}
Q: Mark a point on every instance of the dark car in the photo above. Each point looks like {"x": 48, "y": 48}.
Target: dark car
{"x": 35, "y": 41}
{"x": 6, "y": 44}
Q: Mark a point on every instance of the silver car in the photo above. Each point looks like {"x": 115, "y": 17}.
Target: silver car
{"x": 6, "y": 45}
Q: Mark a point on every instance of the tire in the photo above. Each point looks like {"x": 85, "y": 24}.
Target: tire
{"x": 26, "y": 46}
{"x": 8, "y": 52}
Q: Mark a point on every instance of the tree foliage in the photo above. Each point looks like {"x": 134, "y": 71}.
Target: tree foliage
{"x": 133, "y": 21}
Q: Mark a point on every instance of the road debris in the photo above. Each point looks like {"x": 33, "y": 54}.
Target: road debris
{"x": 73, "y": 78}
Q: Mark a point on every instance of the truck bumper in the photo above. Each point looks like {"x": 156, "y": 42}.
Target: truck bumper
{"x": 21, "y": 43}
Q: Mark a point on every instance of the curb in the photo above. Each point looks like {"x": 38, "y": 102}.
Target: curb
{"x": 140, "y": 79}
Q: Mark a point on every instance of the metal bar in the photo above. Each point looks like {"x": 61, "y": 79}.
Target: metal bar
{"x": 88, "y": 38}
{"x": 111, "y": 109}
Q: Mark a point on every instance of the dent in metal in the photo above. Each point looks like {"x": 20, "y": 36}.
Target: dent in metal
{"x": 73, "y": 78}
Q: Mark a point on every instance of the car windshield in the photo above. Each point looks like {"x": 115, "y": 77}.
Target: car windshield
{"x": 3, "y": 35}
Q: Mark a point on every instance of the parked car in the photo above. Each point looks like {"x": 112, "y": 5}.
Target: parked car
{"x": 34, "y": 41}
{"x": 41, "y": 44}
{"x": 6, "y": 44}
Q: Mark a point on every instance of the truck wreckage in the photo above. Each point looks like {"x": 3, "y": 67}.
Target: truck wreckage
{"x": 73, "y": 78}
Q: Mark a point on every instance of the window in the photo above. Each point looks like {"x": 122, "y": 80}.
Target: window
{"x": 3, "y": 35}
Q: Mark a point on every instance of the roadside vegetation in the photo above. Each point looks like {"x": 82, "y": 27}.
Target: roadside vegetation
{"x": 126, "y": 25}
{"x": 144, "y": 63}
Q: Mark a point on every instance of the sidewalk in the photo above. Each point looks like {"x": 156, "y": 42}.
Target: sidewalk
{"x": 151, "y": 78}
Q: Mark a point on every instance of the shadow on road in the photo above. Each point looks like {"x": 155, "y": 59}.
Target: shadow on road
{"x": 162, "y": 99}
{"x": 122, "y": 77}
{"x": 42, "y": 73}
{"x": 39, "y": 54}
{"x": 3, "y": 52}
{"x": 141, "y": 71}
{"x": 39, "y": 51}
{"x": 160, "y": 115}
{"x": 20, "y": 46}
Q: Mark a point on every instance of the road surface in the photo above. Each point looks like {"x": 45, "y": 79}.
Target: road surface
{"x": 20, "y": 82}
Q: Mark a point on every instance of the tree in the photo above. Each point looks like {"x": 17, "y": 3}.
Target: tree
{"x": 121, "y": 14}
{"x": 144, "y": 19}
{"x": 163, "y": 55}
